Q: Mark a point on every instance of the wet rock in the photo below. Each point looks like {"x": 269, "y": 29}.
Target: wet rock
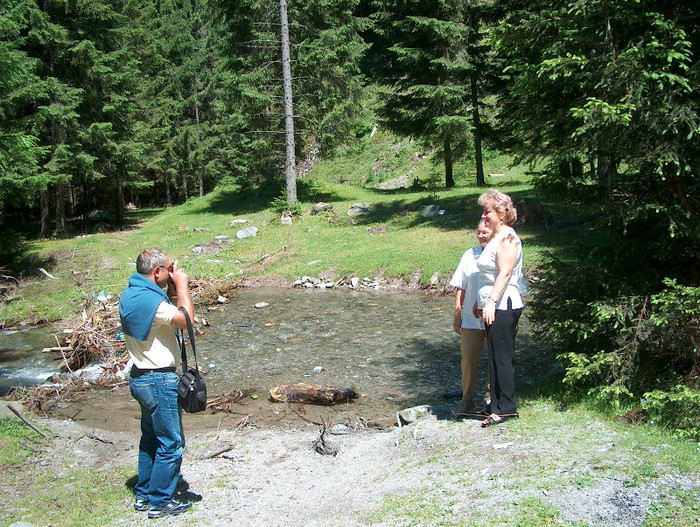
{"x": 92, "y": 372}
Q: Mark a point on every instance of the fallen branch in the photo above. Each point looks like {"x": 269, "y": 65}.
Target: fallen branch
{"x": 242, "y": 422}
{"x": 265, "y": 256}
{"x": 46, "y": 273}
{"x": 56, "y": 349}
{"x": 28, "y": 447}
{"x": 217, "y": 453}
{"x": 95, "y": 438}
{"x": 30, "y": 425}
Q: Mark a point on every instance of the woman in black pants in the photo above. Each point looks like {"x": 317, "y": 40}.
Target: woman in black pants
{"x": 499, "y": 302}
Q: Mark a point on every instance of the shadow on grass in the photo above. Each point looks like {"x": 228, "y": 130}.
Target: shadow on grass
{"x": 14, "y": 257}
{"x": 249, "y": 200}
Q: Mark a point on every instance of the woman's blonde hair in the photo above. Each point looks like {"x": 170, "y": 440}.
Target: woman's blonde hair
{"x": 501, "y": 203}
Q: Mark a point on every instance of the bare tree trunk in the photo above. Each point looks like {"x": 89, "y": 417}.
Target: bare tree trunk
{"x": 168, "y": 199}
{"x": 449, "y": 179}
{"x": 185, "y": 165}
{"x": 60, "y": 209}
{"x": 120, "y": 197}
{"x": 290, "y": 160}
{"x": 44, "y": 212}
{"x": 200, "y": 177}
{"x": 476, "y": 121}
{"x": 605, "y": 171}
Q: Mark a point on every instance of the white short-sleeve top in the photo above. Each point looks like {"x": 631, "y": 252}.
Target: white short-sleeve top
{"x": 466, "y": 277}
{"x": 488, "y": 271}
{"x": 160, "y": 349}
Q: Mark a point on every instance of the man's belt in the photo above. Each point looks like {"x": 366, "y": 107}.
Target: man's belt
{"x": 137, "y": 372}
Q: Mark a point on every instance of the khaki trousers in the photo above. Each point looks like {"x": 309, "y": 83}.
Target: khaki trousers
{"x": 472, "y": 346}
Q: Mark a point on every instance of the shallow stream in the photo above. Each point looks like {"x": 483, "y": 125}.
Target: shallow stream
{"x": 397, "y": 350}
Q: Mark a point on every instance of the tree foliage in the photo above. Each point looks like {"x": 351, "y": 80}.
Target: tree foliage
{"x": 428, "y": 57}
{"x": 613, "y": 85}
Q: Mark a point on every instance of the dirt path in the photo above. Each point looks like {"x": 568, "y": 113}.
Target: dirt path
{"x": 435, "y": 471}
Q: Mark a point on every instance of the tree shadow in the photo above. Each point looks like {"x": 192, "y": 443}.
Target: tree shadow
{"x": 248, "y": 200}
{"x": 434, "y": 375}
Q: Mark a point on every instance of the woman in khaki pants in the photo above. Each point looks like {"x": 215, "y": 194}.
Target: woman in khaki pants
{"x": 465, "y": 323}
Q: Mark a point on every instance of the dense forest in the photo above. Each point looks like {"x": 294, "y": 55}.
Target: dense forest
{"x": 149, "y": 102}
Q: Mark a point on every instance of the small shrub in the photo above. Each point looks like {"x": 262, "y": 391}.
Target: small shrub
{"x": 622, "y": 347}
{"x": 279, "y": 204}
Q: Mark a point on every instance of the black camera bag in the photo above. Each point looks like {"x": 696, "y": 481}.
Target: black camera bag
{"x": 191, "y": 390}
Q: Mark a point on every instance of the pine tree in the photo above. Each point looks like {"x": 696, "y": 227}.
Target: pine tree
{"x": 325, "y": 48}
{"x": 428, "y": 64}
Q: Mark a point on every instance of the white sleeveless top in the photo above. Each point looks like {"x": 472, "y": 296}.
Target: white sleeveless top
{"x": 488, "y": 271}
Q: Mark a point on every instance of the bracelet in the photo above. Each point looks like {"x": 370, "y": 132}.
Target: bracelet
{"x": 494, "y": 300}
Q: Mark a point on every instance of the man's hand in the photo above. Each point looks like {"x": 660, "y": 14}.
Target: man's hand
{"x": 180, "y": 282}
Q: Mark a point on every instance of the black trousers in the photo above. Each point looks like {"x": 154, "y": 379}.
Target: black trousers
{"x": 500, "y": 342}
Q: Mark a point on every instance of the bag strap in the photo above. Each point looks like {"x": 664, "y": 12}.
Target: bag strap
{"x": 190, "y": 330}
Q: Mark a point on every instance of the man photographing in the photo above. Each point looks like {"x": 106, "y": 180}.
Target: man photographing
{"x": 149, "y": 321}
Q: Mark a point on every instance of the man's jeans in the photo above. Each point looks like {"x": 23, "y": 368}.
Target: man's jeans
{"x": 162, "y": 436}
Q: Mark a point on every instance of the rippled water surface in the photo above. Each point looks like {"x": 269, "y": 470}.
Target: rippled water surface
{"x": 397, "y": 350}
{"x": 21, "y": 360}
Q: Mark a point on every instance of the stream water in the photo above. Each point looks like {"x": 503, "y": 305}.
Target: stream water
{"x": 21, "y": 360}
{"x": 397, "y": 350}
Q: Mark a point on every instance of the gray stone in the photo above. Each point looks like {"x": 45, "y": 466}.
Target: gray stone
{"x": 221, "y": 240}
{"x": 410, "y": 415}
{"x": 205, "y": 249}
{"x": 320, "y": 207}
{"x": 429, "y": 211}
{"x": 248, "y": 232}
{"x": 358, "y": 208}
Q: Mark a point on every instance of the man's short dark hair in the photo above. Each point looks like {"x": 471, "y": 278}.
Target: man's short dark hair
{"x": 149, "y": 260}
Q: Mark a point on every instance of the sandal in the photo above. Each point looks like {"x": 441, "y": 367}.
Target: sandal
{"x": 495, "y": 419}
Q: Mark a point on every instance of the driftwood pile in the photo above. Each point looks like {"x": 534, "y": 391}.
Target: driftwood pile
{"x": 94, "y": 339}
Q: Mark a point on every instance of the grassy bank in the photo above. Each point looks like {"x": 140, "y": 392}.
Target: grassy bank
{"x": 403, "y": 243}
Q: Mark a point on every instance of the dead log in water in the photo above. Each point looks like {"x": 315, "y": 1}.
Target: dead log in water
{"x": 311, "y": 394}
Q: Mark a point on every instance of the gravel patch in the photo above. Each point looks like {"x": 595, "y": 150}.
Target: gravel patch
{"x": 435, "y": 469}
